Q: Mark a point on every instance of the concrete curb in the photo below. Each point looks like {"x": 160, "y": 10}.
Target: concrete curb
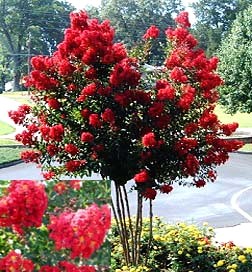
{"x": 14, "y": 162}
{"x": 11, "y": 163}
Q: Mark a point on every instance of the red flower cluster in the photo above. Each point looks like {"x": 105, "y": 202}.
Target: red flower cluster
{"x": 81, "y": 232}
{"x": 19, "y": 115}
{"x": 14, "y": 262}
{"x": 151, "y": 33}
{"x": 182, "y": 19}
{"x": 24, "y": 206}
{"x": 142, "y": 176}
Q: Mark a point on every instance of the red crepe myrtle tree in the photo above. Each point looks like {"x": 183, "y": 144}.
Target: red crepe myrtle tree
{"x": 98, "y": 110}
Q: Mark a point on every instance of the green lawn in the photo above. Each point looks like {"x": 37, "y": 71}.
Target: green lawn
{"x": 244, "y": 119}
{"x": 8, "y": 142}
{"x": 5, "y": 128}
{"x": 9, "y": 154}
{"x": 21, "y": 97}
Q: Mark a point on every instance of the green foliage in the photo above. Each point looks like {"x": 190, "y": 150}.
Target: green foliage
{"x": 43, "y": 20}
{"x": 235, "y": 65}
{"x": 214, "y": 19}
{"x": 132, "y": 18}
{"x": 35, "y": 243}
{"x": 4, "y": 69}
{"x": 184, "y": 248}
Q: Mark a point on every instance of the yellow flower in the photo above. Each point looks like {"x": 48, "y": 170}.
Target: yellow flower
{"x": 242, "y": 258}
{"x": 220, "y": 263}
{"x": 180, "y": 252}
{"x": 200, "y": 250}
{"x": 232, "y": 270}
{"x": 234, "y": 266}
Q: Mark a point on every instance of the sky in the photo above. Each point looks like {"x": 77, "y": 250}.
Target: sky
{"x": 80, "y": 4}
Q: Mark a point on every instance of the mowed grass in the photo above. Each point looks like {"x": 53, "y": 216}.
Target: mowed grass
{"x": 6, "y": 128}
{"x": 243, "y": 119}
{"x": 22, "y": 97}
{"x": 10, "y": 154}
{"x": 4, "y": 141}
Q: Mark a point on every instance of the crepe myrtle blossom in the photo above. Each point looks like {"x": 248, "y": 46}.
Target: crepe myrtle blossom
{"x": 24, "y": 205}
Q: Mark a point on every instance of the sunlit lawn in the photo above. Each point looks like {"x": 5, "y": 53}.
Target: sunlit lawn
{"x": 22, "y": 97}
{"x": 9, "y": 154}
{"x": 8, "y": 142}
{"x": 5, "y": 128}
{"x": 244, "y": 119}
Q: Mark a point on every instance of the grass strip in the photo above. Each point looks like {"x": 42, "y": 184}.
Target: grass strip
{"x": 6, "y": 128}
{"x": 10, "y": 154}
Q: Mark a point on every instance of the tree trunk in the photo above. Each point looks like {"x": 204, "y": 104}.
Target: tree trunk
{"x": 16, "y": 73}
{"x": 2, "y": 85}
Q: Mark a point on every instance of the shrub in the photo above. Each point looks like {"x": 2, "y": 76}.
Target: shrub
{"x": 182, "y": 248}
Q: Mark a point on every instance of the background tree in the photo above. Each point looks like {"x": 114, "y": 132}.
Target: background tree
{"x": 5, "y": 63}
{"x": 42, "y": 20}
{"x": 235, "y": 65}
{"x": 131, "y": 18}
{"x": 214, "y": 19}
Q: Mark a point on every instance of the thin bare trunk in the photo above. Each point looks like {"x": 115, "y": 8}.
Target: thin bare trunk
{"x": 150, "y": 233}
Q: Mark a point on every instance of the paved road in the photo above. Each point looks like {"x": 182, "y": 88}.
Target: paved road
{"x": 211, "y": 204}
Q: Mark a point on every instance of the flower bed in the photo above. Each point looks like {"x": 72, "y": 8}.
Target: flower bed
{"x": 183, "y": 248}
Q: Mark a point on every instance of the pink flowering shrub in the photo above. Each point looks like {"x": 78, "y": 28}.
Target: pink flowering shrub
{"x": 98, "y": 110}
